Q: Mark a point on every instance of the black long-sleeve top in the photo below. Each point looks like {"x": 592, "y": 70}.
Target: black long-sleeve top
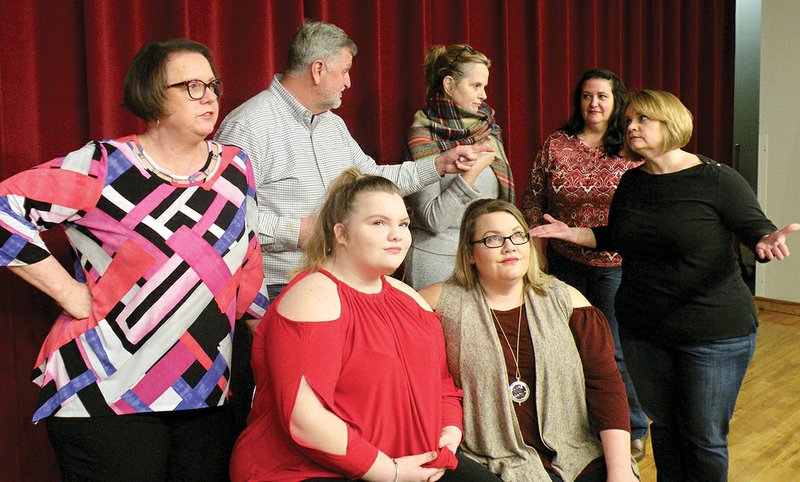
{"x": 681, "y": 281}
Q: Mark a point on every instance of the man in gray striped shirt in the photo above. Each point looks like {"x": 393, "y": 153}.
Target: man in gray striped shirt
{"x": 298, "y": 146}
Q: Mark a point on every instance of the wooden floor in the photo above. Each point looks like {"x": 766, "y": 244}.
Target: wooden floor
{"x": 764, "y": 442}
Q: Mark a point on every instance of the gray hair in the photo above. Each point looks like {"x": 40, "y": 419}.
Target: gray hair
{"x": 316, "y": 40}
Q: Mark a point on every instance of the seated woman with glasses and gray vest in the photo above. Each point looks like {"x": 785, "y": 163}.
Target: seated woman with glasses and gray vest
{"x": 543, "y": 397}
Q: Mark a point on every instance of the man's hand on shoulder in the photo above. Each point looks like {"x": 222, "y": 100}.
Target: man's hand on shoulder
{"x": 459, "y": 159}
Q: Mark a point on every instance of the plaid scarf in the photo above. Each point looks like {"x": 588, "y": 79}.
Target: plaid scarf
{"x": 442, "y": 126}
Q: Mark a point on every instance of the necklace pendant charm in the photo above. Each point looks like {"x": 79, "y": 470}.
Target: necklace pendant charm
{"x": 520, "y": 391}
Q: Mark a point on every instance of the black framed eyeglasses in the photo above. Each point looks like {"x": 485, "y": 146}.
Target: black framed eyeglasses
{"x": 497, "y": 241}
{"x": 197, "y": 88}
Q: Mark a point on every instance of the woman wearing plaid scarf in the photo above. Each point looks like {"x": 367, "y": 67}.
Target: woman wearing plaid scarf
{"x": 456, "y": 113}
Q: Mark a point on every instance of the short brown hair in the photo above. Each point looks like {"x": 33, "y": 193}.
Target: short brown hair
{"x": 441, "y": 61}
{"x": 336, "y": 208}
{"x": 465, "y": 273}
{"x": 146, "y": 80}
{"x": 667, "y": 108}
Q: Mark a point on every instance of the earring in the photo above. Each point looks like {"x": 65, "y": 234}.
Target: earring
{"x": 158, "y": 121}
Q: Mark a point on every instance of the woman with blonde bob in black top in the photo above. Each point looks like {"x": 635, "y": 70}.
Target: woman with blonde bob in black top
{"x": 687, "y": 320}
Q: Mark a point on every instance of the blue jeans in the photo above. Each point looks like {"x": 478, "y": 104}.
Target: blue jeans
{"x": 274, "y": 290}
{"x": 689, "y": 392}
{"x": 599, "y": 286}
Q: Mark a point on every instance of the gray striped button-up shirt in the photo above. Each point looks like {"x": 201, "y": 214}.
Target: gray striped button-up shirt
{"x": 296, "y": 156}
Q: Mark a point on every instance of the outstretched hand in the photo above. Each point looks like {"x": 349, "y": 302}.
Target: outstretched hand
{"x": 559, "y": 230}
{"x": 553, "y": 229}
{"x": 459, "y": 158}
{"x": 773, "y": 245}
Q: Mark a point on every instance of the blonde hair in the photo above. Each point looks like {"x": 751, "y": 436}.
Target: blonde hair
{"x": 665, "y": 107}
{"x": 465, "y": 273}
{"x": 441, "y": 61}
{"x": 336, "y": 208}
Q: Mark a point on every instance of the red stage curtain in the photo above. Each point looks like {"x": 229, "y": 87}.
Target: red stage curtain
{"x": 62, "y": 65}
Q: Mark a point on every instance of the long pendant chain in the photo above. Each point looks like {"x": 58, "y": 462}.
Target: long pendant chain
{"x": 519, "y": 390}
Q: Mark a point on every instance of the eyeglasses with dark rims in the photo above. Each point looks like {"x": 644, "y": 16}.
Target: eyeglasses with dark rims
{"x": 197, "y": 88}
{"x": 497, "y": 241}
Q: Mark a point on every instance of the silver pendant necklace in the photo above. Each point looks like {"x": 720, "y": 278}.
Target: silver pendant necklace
{"x": 519, "y": 390}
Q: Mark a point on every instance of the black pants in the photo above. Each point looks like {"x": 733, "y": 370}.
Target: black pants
{"x": 242, "y": 378}
{"x": 190, "y": 445}
{"x": 467, "y": 471}
{"x": 599, "y": 475}
{"x": 242, "y": 382}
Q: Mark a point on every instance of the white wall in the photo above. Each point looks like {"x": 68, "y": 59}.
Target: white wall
{"x": 745, "y": 89}
{"x": 779, "y": 141}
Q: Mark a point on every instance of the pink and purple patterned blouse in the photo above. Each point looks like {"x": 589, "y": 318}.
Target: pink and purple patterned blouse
{"x": 170, "y": 269}
{"x": 574, "y": 183}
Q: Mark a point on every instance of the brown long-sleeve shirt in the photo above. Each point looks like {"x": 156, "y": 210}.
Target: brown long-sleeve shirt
{"x": 605, "y": 392}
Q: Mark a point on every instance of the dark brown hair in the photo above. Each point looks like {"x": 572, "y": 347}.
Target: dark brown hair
{"x": 615, "y": 132}
{"x": 146, "y": 82}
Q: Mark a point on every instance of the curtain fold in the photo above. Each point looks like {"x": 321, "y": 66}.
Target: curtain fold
{"x": 62, "y": 67}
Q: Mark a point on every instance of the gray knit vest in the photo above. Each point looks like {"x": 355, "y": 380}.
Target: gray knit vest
{"x": 475, "y": 358}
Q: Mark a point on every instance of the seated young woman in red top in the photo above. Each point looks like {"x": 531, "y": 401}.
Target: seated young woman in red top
{"x": 350, "y": 363}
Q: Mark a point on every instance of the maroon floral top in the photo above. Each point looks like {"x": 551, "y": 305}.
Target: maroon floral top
{"x": 574, "y": 183}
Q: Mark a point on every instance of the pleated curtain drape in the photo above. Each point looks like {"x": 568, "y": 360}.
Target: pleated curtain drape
{"x": 62, "y": 65}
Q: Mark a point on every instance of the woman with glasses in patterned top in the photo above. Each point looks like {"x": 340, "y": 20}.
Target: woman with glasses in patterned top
{"x": 543, "y": 398}
{"x": 135, "y": 371}
{"x": 456, "y": 113}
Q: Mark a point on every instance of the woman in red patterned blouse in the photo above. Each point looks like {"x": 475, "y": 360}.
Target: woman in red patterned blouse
{"x": 574, "y": 178}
